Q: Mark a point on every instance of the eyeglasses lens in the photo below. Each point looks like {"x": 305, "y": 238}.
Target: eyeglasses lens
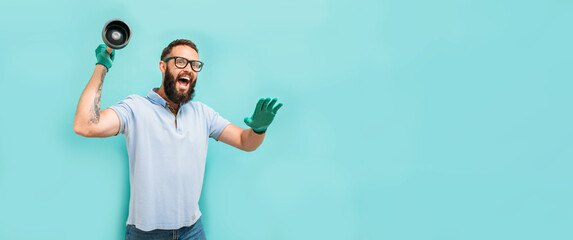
{"x": 180, "y": 62}
{"x": 196, "y": 66}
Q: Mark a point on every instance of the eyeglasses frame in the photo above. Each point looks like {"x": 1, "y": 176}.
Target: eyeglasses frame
{"x": 188, "y": 61}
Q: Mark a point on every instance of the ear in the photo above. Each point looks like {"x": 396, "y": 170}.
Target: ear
{"x": 162, "y": 66}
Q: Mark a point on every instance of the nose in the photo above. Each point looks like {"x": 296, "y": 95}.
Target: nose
{"x": 189, "y": 71}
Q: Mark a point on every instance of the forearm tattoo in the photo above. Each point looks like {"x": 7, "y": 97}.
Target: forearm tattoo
{"x": 97, "y": 102}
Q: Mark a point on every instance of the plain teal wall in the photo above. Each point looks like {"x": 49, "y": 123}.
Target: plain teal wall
{"x": 402, "y": 120}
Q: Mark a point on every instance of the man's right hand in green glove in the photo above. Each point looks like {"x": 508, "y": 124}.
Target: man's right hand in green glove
{"x": 103, "y": 57}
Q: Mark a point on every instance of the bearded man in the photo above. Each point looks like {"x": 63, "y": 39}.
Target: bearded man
{"x": 166, "y": 137}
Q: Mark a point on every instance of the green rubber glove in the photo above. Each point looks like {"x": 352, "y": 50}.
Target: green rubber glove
{"x": 103, "y": 57}
{"x": 263, "y": 115}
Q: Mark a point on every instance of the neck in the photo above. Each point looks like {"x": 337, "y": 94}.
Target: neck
{"x": 173, "y": 106}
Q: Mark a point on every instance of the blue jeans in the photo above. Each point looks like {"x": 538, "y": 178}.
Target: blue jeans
{"x": 193, "y": 232}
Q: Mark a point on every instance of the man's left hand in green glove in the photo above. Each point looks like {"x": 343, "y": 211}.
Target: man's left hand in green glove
{"x": 263, "y": 116}
{"x": 251, "y": 139}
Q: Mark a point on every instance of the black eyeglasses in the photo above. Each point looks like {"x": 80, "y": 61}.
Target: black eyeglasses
{"x": 181, "y": 62}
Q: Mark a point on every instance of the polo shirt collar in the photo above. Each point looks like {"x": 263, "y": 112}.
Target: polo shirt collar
{"x": 155, "y": 98}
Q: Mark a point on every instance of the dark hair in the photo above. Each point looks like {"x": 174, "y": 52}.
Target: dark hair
{"x": 167, "y": 50}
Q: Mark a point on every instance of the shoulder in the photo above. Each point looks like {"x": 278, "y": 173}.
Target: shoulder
{"x": 199, "y": 106}
{"x": 134, "y": 99}
{"x": 130, "y": 102}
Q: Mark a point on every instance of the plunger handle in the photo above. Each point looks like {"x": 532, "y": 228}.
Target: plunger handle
{"x": 109, "y": 50}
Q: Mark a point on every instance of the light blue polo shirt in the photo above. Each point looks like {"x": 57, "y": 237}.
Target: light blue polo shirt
{"x": 166, "y": 162}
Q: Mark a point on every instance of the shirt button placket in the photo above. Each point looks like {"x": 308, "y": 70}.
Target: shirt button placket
{"x": 179, "y": 128}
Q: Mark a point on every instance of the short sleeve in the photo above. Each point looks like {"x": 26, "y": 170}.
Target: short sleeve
{"x": 124, "y": 110}
{"x": 215, "y": 123}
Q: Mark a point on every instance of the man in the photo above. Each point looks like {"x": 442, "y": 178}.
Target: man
{"x": 167, "y": 136}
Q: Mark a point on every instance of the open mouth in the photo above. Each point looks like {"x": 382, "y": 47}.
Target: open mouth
{"x": 184, "y": 81}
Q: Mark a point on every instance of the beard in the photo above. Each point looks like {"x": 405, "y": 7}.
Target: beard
{"x": 169, "y": 81}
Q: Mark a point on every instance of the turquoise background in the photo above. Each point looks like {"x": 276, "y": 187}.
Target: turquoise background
{"x": 402, "y": 120}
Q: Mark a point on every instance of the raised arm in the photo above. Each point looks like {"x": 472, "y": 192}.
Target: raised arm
{"x": 89, "y": 120}
{"x": 250, "y": 139}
